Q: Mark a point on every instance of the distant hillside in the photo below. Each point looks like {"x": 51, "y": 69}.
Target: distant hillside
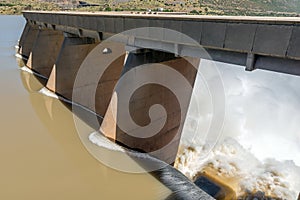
{"x": 16, "y": 6}
{"x": 253, "y": 6}
{"x": 206, "y": 7}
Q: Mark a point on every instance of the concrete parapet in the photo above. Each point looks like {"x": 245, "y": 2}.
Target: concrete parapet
{"x": 235, "y": 37}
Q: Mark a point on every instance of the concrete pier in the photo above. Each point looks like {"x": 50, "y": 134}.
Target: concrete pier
{"x": 142, "y": 100}
{"x": 73, "y": 51}
{"x": 27, "y": 40}
{"x": 98, "y": 88}
{"x": 45, "y": 51}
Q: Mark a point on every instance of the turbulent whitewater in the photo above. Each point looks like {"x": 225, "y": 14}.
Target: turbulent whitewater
{"x": 230, "y": 160}
{"x": 259, "y": 146}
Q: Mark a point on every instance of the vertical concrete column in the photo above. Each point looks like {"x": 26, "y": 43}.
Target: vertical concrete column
{"x": 98, "y": 76}
{"x": 167, "y": 139}
{"x": 110, "y": 77}
{"x": 22, "y": 38}
{"x": 73, "y": 51}
{"x": 27, "y": 40}
{"x": 45, "y": 51}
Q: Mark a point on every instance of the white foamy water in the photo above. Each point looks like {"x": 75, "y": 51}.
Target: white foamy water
{"x": 101, "y": 141}
{"x": 230, "y": 159}
{"x": 260, "y": 141}
{"x": 26, "y": 69}
{"x": 18, "y": 55}
{"x": 47, "y": 92}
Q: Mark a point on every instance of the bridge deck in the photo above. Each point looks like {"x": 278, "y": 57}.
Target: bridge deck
{"x": 255, "y": 19}
{"x": 271, "y": 43}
